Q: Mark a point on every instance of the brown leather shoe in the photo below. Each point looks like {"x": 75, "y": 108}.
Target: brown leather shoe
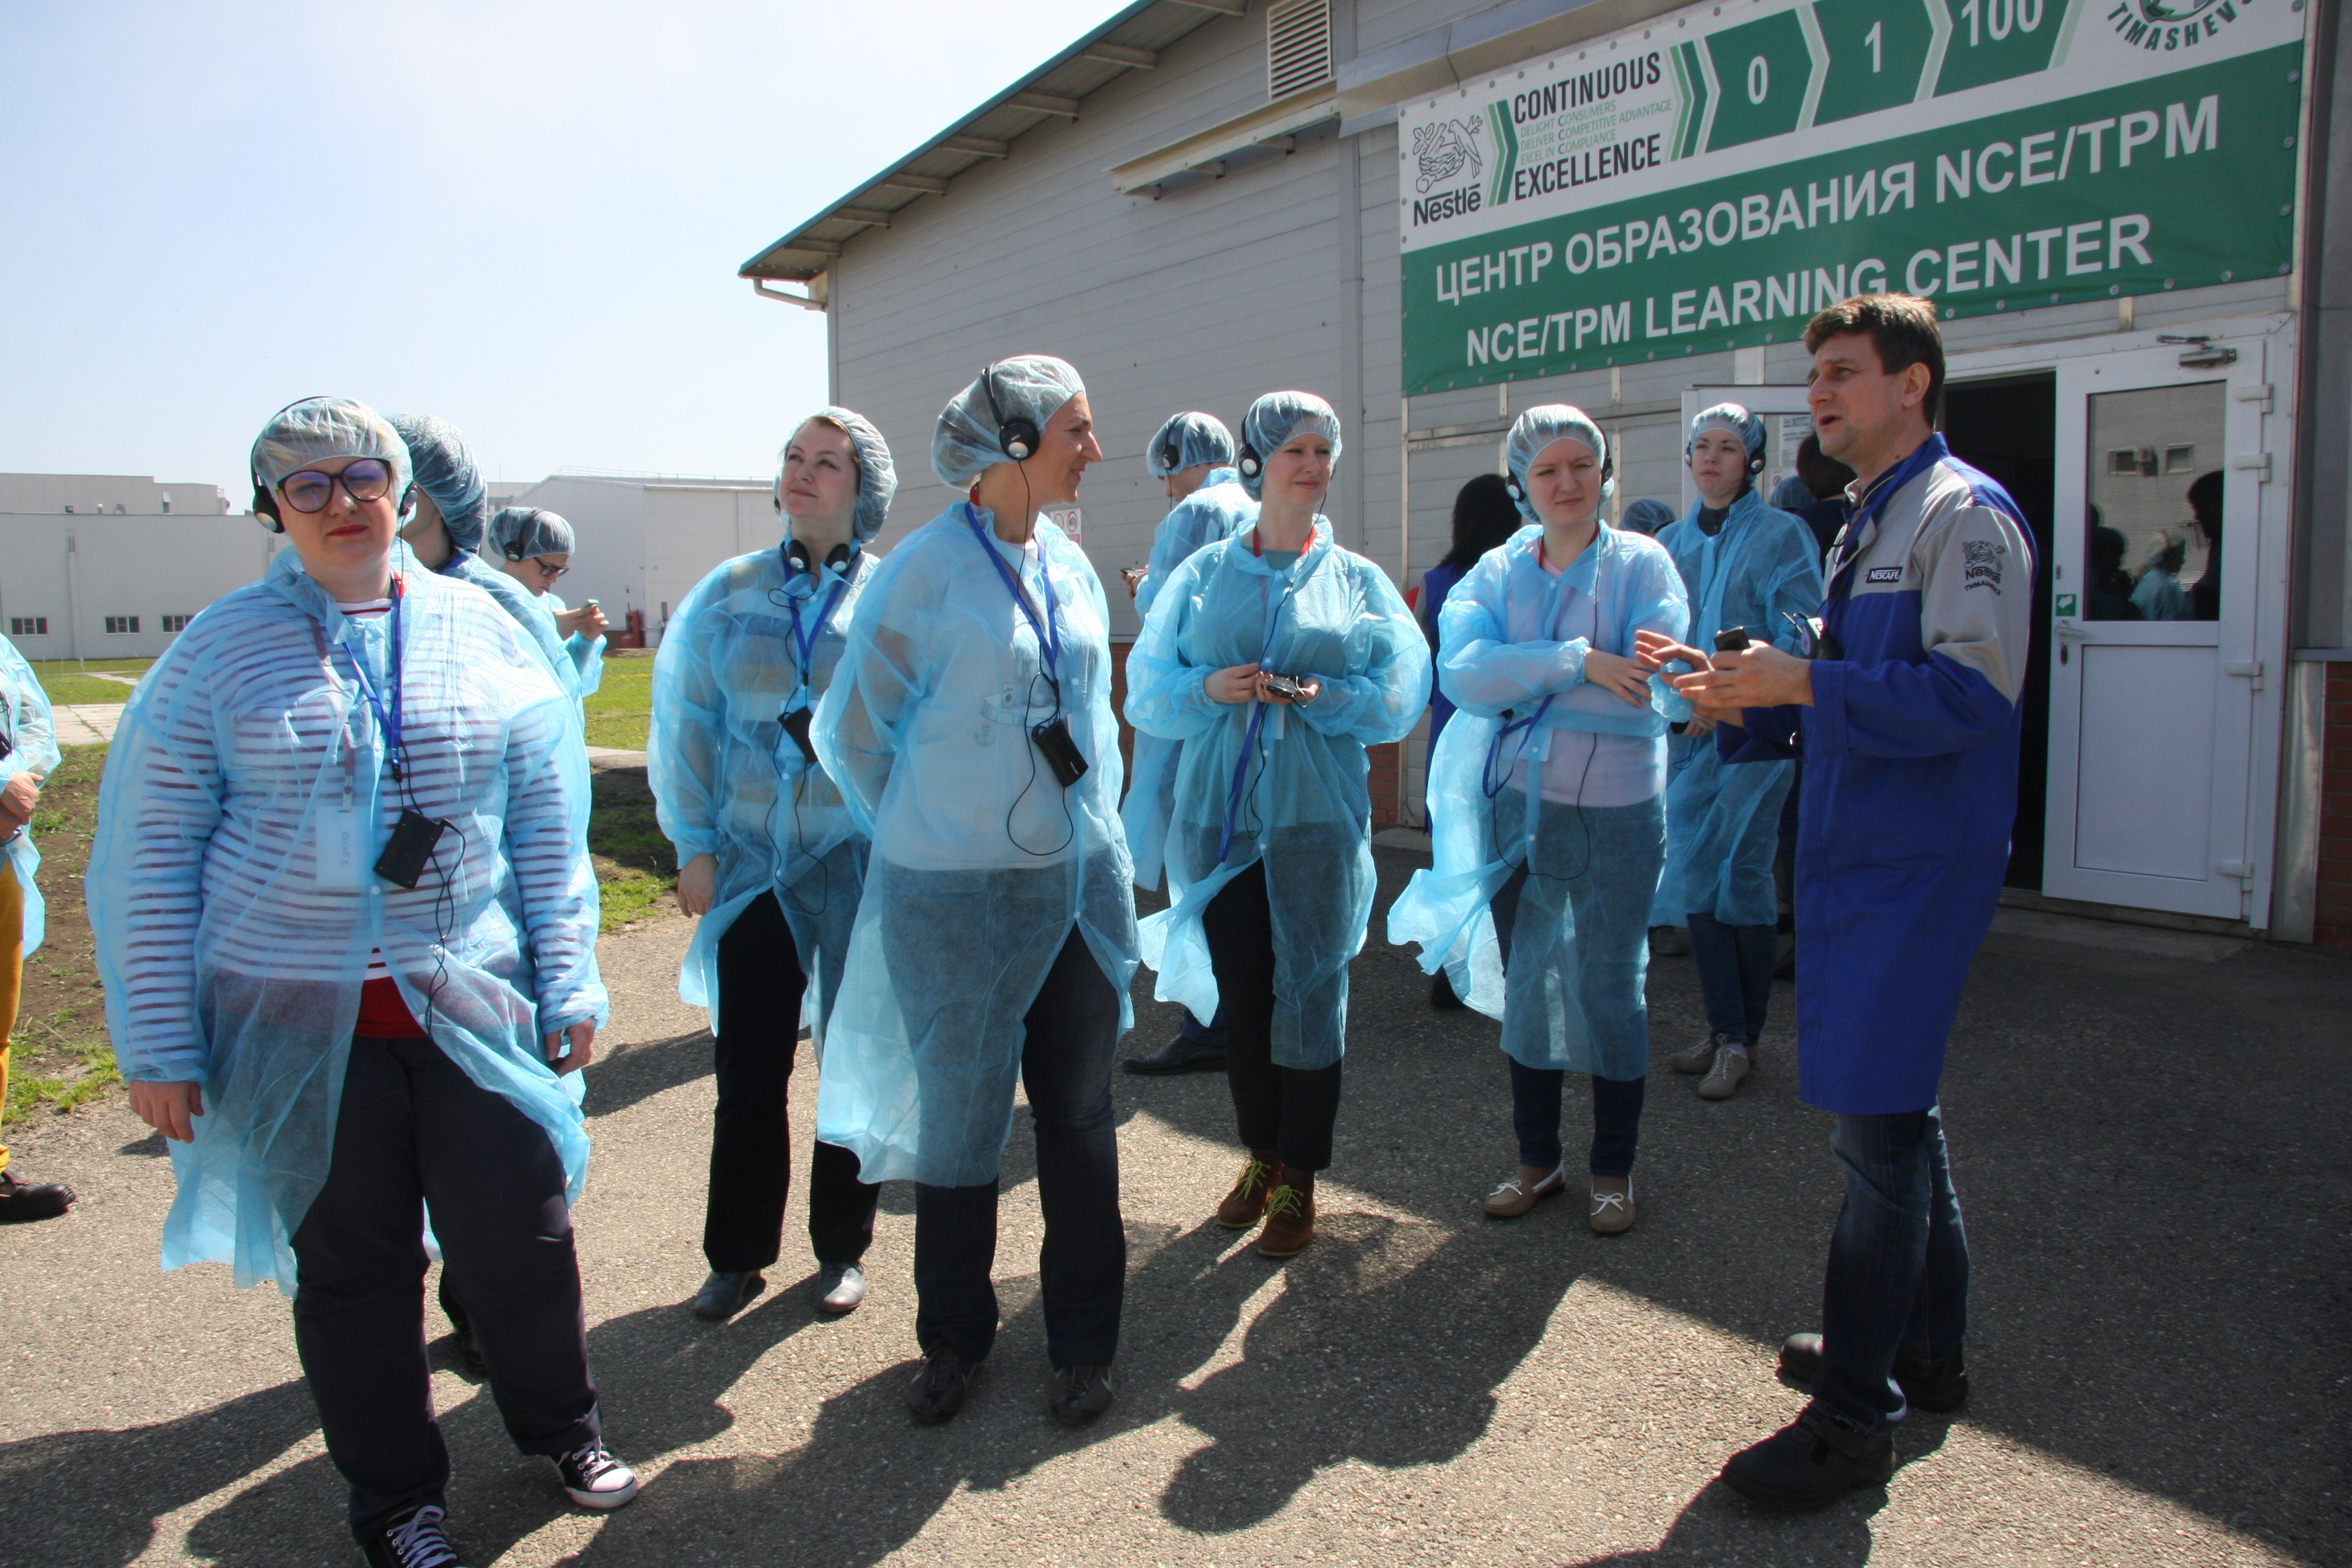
{"x": 1614, "y": 1212}
{"x": 1289, "y": 1223}
{"x": 1246, "y": 1204}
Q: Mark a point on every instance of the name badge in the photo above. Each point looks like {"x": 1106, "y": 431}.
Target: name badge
{"x": 336, "y": 846}
{"x": 1885, "y": 575}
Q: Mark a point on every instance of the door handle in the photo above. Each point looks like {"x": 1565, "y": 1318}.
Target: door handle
{"x": 2073, "y": 633}
{"x": 2245, "y": 669}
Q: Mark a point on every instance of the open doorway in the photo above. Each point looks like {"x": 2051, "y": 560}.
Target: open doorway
{"x": 2008, "y": 426}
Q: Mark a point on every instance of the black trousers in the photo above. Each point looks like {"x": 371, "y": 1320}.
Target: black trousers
{"x": 414, "y": 1133}
{"x": 1066, "y": 1062}
{"x": 759, "y": 986}
{"x": 1290, "y": 1111}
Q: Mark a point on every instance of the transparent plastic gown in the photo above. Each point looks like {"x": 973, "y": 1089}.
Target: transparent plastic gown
{"x": 232, "y": 890}
{"x": 1723, "y": 821}
{"x": 1304, "y": 807}
{"x": 981, "y": 860}
{"x": 1218, "y": 510}
{"x": 32, "y": 742}
{"x": 1499, "y": 653}
{"x": 730, "y": 782}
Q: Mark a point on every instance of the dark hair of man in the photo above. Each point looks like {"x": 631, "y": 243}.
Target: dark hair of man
{"x": 1901, "y": 327}
{"x": 1484, "y": 516}
{"x": 1822, "y": 474}
{"x": 2205, "y": 502}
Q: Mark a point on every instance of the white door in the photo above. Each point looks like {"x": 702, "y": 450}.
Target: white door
{"x": 2152, "y": 707}
{"x": 1788, "y": 420}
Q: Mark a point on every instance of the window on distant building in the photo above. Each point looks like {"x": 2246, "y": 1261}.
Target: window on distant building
{"x": 28, "y": 626}
{"x": 121, "y": 626}
{"x": 175, "y": 623}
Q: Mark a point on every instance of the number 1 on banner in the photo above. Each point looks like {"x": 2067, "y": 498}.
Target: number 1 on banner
{"x": 1874, "y": 37}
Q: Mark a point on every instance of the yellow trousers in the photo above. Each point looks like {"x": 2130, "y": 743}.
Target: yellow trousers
{"x": 12, "y": 972}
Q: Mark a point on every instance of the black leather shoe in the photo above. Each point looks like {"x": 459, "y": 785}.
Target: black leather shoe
{"x": 1080, "y": 1394}
{"x": 1937, "y": 1385}
{"x": 1811, "y": 1463}
{"x": 1179, "y": 1055}
{"x": 840, "y": 1287}
{"x": 940, "y": 1390}
{"x": 21, "y": 1203}
{"x": 1440, "y": 993}
{"x": 726, "y": 1293}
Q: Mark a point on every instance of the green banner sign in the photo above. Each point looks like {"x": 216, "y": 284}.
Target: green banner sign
{"x": 1677, "y": 190}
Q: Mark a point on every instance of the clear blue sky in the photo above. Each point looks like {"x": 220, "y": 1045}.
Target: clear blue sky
{"x": 526, "y": 217}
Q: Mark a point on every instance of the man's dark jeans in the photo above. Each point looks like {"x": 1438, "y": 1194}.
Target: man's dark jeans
{"x": 1899, "y": 1274}
{"x": 1065, "y": 1065}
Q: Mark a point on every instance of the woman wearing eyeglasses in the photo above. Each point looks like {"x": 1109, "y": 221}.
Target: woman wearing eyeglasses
{"x": 347, "y": 923}
{"x": 1546, "y": 806}
{"x": 534, "y": 547}
{"x": 969, "y": 728}
{"x": 1275, "y": 656}
{"x": 768, "y": 856}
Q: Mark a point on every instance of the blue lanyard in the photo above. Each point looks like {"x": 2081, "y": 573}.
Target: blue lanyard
{"x": 1929, "y": 453}
{"x": 386, "y": 721}
{"x": 1049, "y": 636}
{"x": 804, "y": 647}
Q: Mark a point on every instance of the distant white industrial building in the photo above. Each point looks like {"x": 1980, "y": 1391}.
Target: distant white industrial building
{"x": 114, "y": 565}
{"x": 644, "y": 540}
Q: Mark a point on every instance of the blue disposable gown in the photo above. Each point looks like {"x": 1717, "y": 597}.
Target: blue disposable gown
{"x": 1723, "y": 823}
{"x": 32, "y": 742}
{"x": 729, "y": 782}
{"x": 1303, "y": 808}
{"x": 1218, "y": 510}
{"x": 1499, "y": 653}
{"x": 232, "y": 890}
{"x": 981, "y": 861}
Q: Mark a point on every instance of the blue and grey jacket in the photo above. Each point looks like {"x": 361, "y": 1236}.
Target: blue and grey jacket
{"x": 1910, "y": 752}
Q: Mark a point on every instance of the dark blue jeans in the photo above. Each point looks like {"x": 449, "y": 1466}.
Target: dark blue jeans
{"x": 1616, "y": 1119}
{"x": 1211, "y": 1033}
{"x": 1735, "y": 974}
{"x": 1073, "y": 1034}
{"x": 1899, "y": 1274}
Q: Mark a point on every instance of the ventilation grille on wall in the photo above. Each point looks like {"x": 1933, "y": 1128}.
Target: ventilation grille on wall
{"x": 1297, "y": 46}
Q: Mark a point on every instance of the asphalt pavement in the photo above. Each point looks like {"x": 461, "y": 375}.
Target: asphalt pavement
{"x": 2148, "y": 1135}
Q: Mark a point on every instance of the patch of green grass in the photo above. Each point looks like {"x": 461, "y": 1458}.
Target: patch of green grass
{"x": 636, "y": 867}
{"x": 622, "y": 709}
{"x": 66, "y": 682}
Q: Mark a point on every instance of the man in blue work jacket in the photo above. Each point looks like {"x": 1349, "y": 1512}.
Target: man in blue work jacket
{"x": 1905, "y": 718}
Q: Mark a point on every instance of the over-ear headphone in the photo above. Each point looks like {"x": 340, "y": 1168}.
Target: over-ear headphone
{"x": 796, "y": 558}
{"x": 1248, "y": 461}
{"x": 1171, "y": 454}
{"x": 1016, "y": 439}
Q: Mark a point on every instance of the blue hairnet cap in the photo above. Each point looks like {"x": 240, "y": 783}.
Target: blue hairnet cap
{"x": 519, "y": 532}
{"x": 319, "y": 428}
{"x": 965, "y": 445}
{"x": 877, "y": 477}
{"x": 1790, "y": 494}
{"x": 1647, "y": 516}
{"x": 444, "y": 469}
{"x": 1186, "y": 441}
{"x": 1274, "y": 419}
{"x": 1538, "y": 427}
{"x": 1728, "y": 417}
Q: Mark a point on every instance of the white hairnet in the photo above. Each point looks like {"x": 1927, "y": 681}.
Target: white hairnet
{"x": 877, "y": 477}
{"x": 1538, "y": 427}
{"x": 1186, "y": 441}
{"x": 965, "y": 443}
{"x": 1274, "y": 419}
{"x": 318, "y": 429}
{"x": 444, "y": 469}
{"x": 519, "y": 532}
{"x": 1728, "y": 417}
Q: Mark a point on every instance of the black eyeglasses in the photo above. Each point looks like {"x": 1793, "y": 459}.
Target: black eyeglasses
{"x": 308, "y": 491}
{"x": 550, "y": 573}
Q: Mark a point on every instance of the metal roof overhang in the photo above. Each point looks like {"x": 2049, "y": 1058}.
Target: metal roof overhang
{"x": 1132, "y": 40}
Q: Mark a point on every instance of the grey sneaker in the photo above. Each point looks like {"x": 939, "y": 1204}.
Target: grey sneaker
{"x": 1731, "y": 1068}
{"x": 840, "y": 1287}
{"x": 1698, "y": 1058}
